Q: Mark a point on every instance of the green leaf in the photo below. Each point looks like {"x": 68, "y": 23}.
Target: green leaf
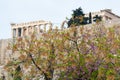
{"x": 94, "y": 75}
{"x": 110, "y": 72}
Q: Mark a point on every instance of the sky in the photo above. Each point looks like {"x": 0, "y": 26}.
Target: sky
{"x": 56, "y": 11}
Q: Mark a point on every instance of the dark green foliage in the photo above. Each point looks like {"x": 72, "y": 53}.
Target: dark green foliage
{"x": 18, "y": 69}
{"x": 97, "y": 18}
{"x": 78, "y": 12}
{"x": 90, "y": 17}
{"x": 75, "y": 22}
{"x": 78, "y": 18}
{"x": 16, "y": 75}
{"x": 86, "y": 20}
{"x": 70, "y": 22}
{"x": 18, "y": 78}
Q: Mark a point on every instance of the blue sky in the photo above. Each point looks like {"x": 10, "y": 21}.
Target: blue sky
{"x": 56, "y": 11}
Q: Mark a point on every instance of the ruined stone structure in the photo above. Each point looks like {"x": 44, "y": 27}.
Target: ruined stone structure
{"x": 106, "y": 14}
{"x": 24, "y": 29}
{"x": 21, "y": 30}
{"x": 4, "y": 53}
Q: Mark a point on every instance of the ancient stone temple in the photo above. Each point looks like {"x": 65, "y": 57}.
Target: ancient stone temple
{"x": 41, "y": 26}
{"x": 106, "y": 14}
{"x": 21, "y": 30}
{"x": 24, "y": 29}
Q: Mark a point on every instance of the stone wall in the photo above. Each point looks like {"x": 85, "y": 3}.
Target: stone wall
{"x": 4, "y": 52}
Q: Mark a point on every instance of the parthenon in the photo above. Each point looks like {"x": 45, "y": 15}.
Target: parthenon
{"x": 41, "y": 26}
{"x": 24, "y": 29}
{"x": 106, "y": 14}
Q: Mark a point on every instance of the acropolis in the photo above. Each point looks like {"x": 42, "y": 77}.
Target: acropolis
{"x": 40, "y": 26}
{"x": 24, "y": 29}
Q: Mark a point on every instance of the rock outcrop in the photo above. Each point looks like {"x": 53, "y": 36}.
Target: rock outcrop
{"x": 4, "y": 52}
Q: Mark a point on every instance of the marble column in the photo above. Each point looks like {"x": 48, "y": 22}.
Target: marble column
{"x": 24, "y": 31}
{"x": 50, "y": 27}
{"x": 21, "y": 32}
{"x": 35, "y": 28}
{"x": 27, "y": 30}
{"x": 32, "y": 29}
{"x": 45, "y": 27}
{"x": 12, "y": 33}
{"x": 38, "y": 29}
{"x": 16, "y": 32}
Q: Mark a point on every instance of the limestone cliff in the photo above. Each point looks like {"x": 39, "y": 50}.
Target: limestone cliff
{"x": 4, "y": 53}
